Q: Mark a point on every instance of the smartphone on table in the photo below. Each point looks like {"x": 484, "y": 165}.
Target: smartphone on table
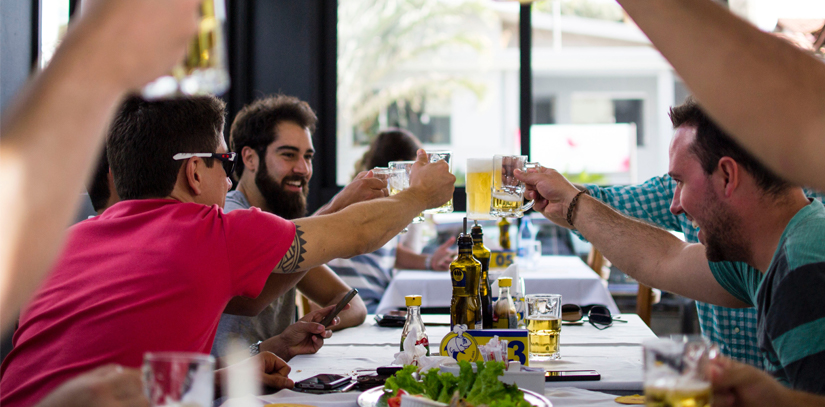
{"x": 571, "y": 375}
{"x": 339, "y": 307}
{"x": 323, "y": 382}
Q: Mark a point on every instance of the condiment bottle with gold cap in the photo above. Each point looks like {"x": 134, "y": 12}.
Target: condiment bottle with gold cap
{"x": 465, "y": 272}
{"x": 482, "y": 254}
{"x": 414, "y": 320}
{"x": 504, "y": 311}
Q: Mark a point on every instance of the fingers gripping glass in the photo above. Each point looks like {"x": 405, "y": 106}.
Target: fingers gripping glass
{"x": 598, "y": 315}
{"x": 227, "y": 159}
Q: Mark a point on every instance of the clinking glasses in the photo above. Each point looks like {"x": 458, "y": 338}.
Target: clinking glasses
{"x": 598, "y": 315}
{"x": 227, "y": 159}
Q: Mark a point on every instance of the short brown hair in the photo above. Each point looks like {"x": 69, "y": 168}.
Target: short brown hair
{"x": 389, "y": 145}
{"x": 145, "y": 135}
{"x": 712, "y": 143}
{"x": 256, "y": 123}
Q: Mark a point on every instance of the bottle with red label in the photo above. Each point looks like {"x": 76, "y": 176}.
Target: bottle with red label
{"x": 414, "y": 320}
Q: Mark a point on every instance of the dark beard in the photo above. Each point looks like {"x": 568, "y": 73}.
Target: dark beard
{"x": 723, "y": 236}
{"x": 286, "y": 204}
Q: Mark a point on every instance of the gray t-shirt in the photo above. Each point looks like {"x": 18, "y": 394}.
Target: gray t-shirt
{"x": 270, "y": 322}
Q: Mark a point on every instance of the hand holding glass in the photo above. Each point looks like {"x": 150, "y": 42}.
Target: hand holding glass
{"x": 675, "y": 372}
{"x": 400, "y": 180}
{"x": 437, "y": 155}
{"x": 508, "y": 191}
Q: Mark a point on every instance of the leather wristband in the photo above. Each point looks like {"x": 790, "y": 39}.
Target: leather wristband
{"x": 572, "y": 207}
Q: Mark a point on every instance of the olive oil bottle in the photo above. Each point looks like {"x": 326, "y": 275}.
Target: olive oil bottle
{"x": 482, "y": 254}
{"x": 465, "y": 270}
{"x": 504, "y": 234}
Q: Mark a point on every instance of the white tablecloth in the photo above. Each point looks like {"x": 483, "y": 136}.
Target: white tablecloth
{"x": 614, "y": 352}
{"x": 565, "y": 275}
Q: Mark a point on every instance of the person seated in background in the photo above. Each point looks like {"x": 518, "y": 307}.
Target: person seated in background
{"x": 761, "y": 241}
{"x": 273, "y": 140}
{"x": 155, "y": 271}
{"x": 371, "y": 273}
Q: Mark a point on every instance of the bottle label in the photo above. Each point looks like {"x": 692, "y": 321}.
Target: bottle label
{"x": 459, "y": 277}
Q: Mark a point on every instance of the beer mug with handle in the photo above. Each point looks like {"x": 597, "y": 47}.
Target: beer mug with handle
{"x": 507, "y": 191}
{"x": 203, "y": 70}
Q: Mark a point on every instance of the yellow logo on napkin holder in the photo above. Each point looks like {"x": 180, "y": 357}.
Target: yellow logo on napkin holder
{"x": 465, "y": 347}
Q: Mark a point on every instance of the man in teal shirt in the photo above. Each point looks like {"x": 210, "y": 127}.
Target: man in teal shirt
{"x": 761, "y": 242}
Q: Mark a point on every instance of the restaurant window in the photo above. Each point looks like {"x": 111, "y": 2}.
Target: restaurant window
{"x": 54, "y": 20}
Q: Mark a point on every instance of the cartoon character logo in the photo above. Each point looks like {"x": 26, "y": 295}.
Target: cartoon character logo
{"x": 460, "y": 345}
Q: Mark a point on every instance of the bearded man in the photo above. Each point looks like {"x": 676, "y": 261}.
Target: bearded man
{"x": 761, "y": 242}
{"x": 273, "y": 139}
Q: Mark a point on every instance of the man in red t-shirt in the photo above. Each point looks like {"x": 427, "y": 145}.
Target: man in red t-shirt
{"x": 155, "y": 271}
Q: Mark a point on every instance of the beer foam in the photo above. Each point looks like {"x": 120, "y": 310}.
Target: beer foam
{"x": 479, "y": 165}
{"x": 507, "y": 197}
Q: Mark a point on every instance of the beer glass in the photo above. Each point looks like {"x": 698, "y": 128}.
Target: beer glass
{"x": 675, "y": 371}
{"x": 478, "y": 184}
{"x": 507, "y": 191}
{"x": 434, "y": 156}
{"x": 385, "y": 173}
{"x": 203, "y": 70}
{"x": 544, "y": 326}
{"x": 400, "y": 181}
{"x": 179, "y": 379}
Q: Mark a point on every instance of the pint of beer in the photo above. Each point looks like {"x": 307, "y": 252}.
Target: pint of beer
{"x": 437, "y": 155}
{"x": 675, "y": 372}
{"x": 203, "y": 71}
{"x": 479, "y": 181}
{"x": 544, "y": 326}
{"x": 400, "y": 180}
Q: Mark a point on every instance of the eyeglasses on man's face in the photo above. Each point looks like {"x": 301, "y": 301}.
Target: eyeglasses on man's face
{"x": 227, "y": 159}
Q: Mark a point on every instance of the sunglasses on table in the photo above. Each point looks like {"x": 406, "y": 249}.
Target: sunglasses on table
{"x": 227, "y": 159}
{"x": 598, "y": 315}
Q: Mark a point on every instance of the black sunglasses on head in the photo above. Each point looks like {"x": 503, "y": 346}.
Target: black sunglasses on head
{"x": 598, "y": 315}
{"x": 227, "y": 159}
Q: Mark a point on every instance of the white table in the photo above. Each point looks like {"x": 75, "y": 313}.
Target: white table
{"x": 615, "y": 353}
{"x": 565, "y": 275}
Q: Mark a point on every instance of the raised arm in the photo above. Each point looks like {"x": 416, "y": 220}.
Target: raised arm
{"x": 364, "y": 227}
{"x": 651, "y": 255}
{"x": 363, "y": 188}
{"x": 765, "y": 92}
{"x": 53, "y": 131}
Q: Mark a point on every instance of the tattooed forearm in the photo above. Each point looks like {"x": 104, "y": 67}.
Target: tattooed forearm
{"x": 291, "y": 262}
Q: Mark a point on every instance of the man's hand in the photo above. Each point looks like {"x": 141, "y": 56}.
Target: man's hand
{"x": 363, "y": 188}
{"x": 303, "y": 337}
{"x": 107, "y": 386}
{"x": 737, "y": 384}
{"x": 137, "y": 41}
{"x": 433, "y": 182}
{"x": 444, "y": 255}
{"x": 551, "y": 191}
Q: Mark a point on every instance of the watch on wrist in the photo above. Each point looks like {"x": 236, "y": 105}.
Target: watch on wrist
{"x": 255, "y": 348}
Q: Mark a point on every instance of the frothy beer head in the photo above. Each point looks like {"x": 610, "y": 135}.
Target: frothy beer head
{"x": 479, "y": 165}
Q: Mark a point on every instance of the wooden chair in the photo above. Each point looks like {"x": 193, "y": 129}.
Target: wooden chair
{"x": 645, "y": 297}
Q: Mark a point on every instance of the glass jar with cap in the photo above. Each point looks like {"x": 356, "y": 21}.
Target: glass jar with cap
{"x": 414, "y": 320}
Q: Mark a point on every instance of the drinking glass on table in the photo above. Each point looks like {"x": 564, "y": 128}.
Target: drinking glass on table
{"x": 179, "y": 379}
{"x": 203, "y": 70}
{"x": 675, "y": 371}
{"x": 507, "y": 191}
{"x": 544, "y": 326}
{"x": 478, "y": 184}
{"x": 437, "y": 155}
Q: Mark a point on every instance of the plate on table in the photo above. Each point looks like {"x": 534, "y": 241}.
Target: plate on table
{"x": 371, "y": 397}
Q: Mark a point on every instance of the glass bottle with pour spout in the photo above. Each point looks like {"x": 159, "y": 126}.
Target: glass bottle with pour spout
{"x": 482, "y": 254}
{"x": 414, "y": 320}
{"x": 505, "y": 316}
{"x": 465, "y": 272}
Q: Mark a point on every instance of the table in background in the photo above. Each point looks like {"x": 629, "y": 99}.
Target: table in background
{"x": 565, "y": 275}
{"x": 615, "y": 353}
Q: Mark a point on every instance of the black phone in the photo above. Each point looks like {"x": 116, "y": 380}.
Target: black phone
{"x": 390, "y": 321}
{"x": 323, "y": 382}
{"x": 571, "y": 375}
{"x": 341, "y": 304}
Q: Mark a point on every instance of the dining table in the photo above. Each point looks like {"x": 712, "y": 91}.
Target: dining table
{"x": 566, "y": 275}
{"x": 615, "y": 353}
